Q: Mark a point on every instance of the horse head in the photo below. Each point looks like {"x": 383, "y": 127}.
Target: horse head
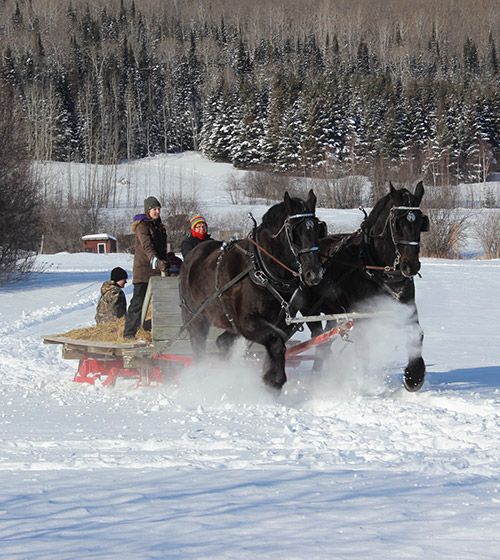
{"x": 291, "y": 231}
{"x": 393, "y": 230}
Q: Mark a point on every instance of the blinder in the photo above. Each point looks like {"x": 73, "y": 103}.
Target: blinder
{"x": 322, "y": 229}
{"x": 409, "y": 212}
{"x": 425, "y": 224}
{"x": 291, "y": 223}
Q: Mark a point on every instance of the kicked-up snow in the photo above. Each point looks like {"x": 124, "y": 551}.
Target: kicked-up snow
{"x": 213, "y": 465}
{"x": 345, "y": 464}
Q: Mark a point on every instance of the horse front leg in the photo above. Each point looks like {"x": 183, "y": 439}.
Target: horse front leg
{"x": 274, "y": 368}
{"x": 273, "y": 338}
{"x": 198, "y": 333}
{"x": 225, "y": 342}
{"x": 414, "y": 372}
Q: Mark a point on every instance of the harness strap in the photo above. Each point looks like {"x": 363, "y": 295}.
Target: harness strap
{"x": 381, "y": 268}
{"x": 260, "y": 279}
{"x": 222, "y": 303}
{"x": 385, "y": 286}
{"x": 257, "y": 276}
{"x": 268, "y": 254}
{"x": 215, "y": 295}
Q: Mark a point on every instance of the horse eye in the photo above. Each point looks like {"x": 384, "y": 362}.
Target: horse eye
{"x": 411, "y": 217}
{"x": 309, "y": 224}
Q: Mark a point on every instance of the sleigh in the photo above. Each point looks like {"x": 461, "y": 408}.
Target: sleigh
{"x": 169, "y": 351}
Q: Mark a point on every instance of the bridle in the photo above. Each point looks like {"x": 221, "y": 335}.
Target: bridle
{"x": 391, "y": 220}
{"x": 289, "y": 224}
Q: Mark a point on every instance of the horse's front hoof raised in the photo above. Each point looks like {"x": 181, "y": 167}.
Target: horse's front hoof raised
{"x": 414, "y": 375}
{"x": 412, "y": 384}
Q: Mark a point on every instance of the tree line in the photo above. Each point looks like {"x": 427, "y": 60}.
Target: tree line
{"x": 319, "y": 88}
{"x": 289, "y": 85}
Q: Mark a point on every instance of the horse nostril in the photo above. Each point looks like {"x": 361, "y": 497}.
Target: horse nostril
{"x": 313, "y": 278}
{"x": 407, "y": 270}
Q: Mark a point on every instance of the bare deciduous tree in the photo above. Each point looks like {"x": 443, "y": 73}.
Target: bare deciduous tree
{"x": 340, "y": 192}
{"x": 488, "y": 232}
{"x": 176, "y": 211}
{"x": 269, "y": 187}
{"x": 235, "y": 188}
{"x": 232, "y": 224}
{"x": 447, "y": 235}
{"x": 63, "y": 227}
{"x": 19, "y": 201}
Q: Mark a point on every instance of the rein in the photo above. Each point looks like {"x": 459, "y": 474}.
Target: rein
{"x": 287, "y": 226}
{"x": 386, "y": 268}
{"x": 258, "y": 272}
{"x": 219, "y": 291}
{"x": 268, "y": 254}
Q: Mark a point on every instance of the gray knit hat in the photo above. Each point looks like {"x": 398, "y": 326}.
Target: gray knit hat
{"x": 151, "y": 202}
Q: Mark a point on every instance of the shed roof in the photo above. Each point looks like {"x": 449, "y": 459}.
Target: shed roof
{"x": 97, "y": 237}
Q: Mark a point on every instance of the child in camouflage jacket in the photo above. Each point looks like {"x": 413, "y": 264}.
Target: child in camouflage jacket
{"x": 112, "y": 304}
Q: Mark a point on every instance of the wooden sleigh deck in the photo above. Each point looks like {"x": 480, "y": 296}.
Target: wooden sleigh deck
{"x": 169, "y": 350}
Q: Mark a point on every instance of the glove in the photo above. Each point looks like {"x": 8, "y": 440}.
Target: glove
{"x": 162, "y": 266}
{"x": 174, "y": 262}
{"x": 174, "y": 270}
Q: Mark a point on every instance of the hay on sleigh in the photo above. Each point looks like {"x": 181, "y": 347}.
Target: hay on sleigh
{"x": 111, "y": 331}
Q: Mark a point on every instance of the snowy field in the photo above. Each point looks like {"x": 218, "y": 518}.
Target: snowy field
{"x": 212, "y": 465}
{"x": 190, "y": 176}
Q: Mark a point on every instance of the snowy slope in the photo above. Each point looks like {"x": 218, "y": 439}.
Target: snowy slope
{"x": 213, "y": 465}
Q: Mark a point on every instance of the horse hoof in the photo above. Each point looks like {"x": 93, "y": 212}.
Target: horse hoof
{"x": 413, "y": 385}
{"x": 270, "y": 382}
{"x": 414, "y": 375}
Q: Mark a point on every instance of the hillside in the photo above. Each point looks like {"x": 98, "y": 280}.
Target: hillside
{"x": 212, "y": 465}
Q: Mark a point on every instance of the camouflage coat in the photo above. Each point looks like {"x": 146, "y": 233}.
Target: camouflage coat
{"x": 112, "y": 304}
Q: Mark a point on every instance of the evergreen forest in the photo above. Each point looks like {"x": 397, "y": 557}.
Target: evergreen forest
{"x": 295, "y": 86}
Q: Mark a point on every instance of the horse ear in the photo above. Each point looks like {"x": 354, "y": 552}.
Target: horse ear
{"x": 392, "y": 191}
{"x": 419, "y": 192}
{"x": 288, "y": 203}
{"x": 311, "y": 201}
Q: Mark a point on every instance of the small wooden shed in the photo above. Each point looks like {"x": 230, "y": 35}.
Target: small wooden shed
{"x": 99, "y": 243}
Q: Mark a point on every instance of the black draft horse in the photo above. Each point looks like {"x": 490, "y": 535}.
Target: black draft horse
{"x": 247, "y": 287}
{"x": 382, "y": 257}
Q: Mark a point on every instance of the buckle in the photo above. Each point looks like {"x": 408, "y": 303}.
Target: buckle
{"x": 260, "y": 277}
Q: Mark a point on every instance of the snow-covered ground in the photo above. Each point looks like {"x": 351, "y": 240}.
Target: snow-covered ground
{"x": 212, "y": 465}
